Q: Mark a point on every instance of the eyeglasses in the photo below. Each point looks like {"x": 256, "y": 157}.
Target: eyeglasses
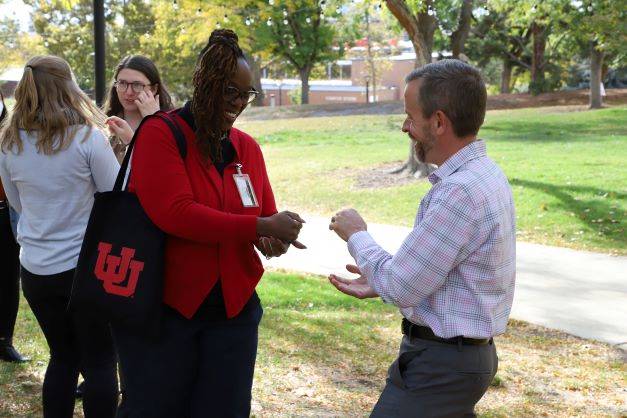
{"x": 232, "y": 93}
{"x": 136, "y": 86}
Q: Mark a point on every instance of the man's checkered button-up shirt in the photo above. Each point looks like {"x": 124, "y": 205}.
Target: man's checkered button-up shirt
{"x": 455, "y": 271}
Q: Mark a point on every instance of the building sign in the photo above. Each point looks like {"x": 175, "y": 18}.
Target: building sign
{"x": 340, "y": 98}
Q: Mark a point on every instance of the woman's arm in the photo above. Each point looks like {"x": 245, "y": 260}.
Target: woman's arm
{"x": 102, "y": 162}
{"x": 161, "y": 182}
{"x": 10, "y": 190}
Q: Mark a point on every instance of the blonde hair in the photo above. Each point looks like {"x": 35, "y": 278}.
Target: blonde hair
{"x": 48, "y": 101}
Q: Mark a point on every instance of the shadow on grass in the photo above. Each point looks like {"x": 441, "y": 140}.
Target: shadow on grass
{"x": 589, "y": 211}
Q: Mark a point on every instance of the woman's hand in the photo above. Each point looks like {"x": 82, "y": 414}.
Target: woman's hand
{"x": 120, "y": 128}
{"x": 284, "y": 225}
{"x": 147, "y": 104}
{"x": 273, "y": 247}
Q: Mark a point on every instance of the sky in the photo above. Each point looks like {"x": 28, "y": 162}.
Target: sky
{"x": 16, "y": 9}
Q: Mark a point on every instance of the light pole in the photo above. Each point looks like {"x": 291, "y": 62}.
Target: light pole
{"x": 99, "y": 50}
{"x": 367, "y": 89}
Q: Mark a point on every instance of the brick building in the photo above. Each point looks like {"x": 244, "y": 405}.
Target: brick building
{"x": 352, "y": 89}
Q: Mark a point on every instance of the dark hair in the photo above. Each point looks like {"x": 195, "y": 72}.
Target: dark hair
{"x": 217, "y": 64}
{"x": 148, "y": 68}
{"x": 4, "y": 112}
{"x": 455, "y": 88}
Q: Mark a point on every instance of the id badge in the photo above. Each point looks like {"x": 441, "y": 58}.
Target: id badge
{"x": 245, "y": 188}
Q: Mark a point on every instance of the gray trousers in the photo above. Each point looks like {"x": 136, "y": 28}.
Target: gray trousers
{"x": 432, "y": 379}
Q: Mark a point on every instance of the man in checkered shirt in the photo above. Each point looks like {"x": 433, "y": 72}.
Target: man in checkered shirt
{"x": 453, "y": 277}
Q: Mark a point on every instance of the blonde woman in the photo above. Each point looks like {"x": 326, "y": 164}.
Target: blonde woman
{"x": 54, "y": 158}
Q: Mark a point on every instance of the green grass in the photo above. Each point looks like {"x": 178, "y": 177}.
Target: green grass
{"x": 322, "y": 353}
{"x": 567, "y": 169}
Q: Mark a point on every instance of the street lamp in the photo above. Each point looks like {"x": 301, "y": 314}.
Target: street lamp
{"x": 99, "y": 49}
{"x": 367, "y": 89}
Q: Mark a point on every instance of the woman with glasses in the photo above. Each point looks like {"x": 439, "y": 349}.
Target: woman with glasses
{"x": 215, "y": 205}
{"x": 137, "y": 91}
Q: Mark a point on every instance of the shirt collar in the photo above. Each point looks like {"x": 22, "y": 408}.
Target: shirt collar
{"x": 471, "y": 151}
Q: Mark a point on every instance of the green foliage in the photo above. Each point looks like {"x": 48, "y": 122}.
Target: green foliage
{"x": 178, "y": 37}
{"x": 298, "y": 31}
{"x": 173, "y": 36}
{"x": 67, "y": 30}
{"x": 295, "y": 96}
{"x": 17, "y": 46}
{"x": 602, "y": 23}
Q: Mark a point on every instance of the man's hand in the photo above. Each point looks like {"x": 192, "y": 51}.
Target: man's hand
{"x": 346, "y": 222}
{"x": 358, "y": 288}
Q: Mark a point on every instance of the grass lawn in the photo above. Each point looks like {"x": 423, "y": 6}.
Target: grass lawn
{"x": 567, "y": 169}
{"x": 324, "y": 354}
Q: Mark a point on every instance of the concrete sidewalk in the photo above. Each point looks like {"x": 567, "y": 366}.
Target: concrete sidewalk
{"x": 582, "y": 293}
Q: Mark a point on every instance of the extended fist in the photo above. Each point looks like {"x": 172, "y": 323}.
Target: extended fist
{"x": 346, "y": 222}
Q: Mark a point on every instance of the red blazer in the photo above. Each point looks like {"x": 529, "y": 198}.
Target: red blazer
{"x": 210, "y": 234}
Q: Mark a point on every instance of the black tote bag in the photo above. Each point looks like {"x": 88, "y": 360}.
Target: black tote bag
{"x": 119, "y": 276}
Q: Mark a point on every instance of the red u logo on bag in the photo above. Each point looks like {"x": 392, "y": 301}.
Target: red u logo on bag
{"x": 112, "y": 270}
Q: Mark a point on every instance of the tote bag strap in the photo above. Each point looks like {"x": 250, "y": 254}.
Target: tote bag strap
{"x": 181, "y": 144}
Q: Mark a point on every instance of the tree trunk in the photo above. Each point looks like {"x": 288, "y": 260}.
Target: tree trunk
{"x": 458, "y": 38}
{"x": 427, "y": 24}
{"x": 256, "y": 70}
{"x": 596, "y": 65}
{"x": 506, "y": 76}
{"x": 420, "y": 29}
{"x": 539, "y": 33}
{"x": 304, "y": 78}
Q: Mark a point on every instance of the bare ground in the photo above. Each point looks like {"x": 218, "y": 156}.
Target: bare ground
{"x": 542, "y": 373}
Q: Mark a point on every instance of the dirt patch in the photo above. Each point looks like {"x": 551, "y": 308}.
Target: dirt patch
{"x": 381, "y": 177}
{"x": 613, "y": 97}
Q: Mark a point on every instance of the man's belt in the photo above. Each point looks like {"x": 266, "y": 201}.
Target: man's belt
{"x": 416, "y": 331}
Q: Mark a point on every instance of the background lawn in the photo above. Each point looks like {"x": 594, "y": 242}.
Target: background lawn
{"x": 567, "y": 168}
{"x": 323, "y": 354}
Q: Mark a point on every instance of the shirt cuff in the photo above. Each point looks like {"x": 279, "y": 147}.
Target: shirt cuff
{"x": 359, "y": 242}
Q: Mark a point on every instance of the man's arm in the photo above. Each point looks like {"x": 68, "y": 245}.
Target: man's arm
{"x": 427, "y": 255}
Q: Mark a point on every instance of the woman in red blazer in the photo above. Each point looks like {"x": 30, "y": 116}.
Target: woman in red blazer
{"x": 202, "y": 364}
